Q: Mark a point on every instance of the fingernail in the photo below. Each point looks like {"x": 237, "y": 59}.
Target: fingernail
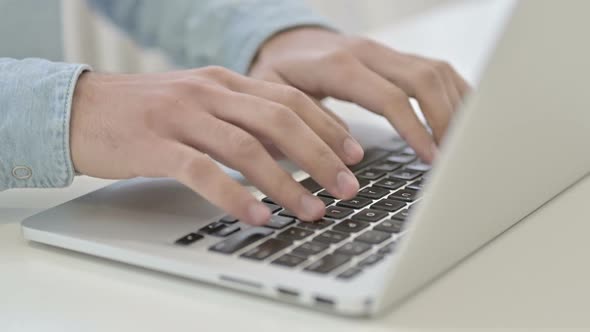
{"x": 347, "y": 183}
{"x": 433, "y": 152}
{"x": 353, "y": 149}
{"x": 259, "y": 214}
{"x": 312, "y": 206}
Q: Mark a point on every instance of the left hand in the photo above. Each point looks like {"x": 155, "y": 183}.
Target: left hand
{"x": 324, "y": 63}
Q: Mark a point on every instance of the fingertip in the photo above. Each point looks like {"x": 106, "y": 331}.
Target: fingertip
{"x": 429, "y": 154}
{"x": 312, "y": 207}
{"x": 353, "y": 150}
{"x": 258, "y": 214}
{"x": 348, "y": 184}
{"x": 434, "y": 151}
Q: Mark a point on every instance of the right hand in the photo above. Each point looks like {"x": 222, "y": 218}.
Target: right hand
{"x": 172, "y": 124}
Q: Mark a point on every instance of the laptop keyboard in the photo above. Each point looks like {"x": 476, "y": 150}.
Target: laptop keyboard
{"x": 354, "y": 235}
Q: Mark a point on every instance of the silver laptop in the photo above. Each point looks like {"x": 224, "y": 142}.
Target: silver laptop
{"x": 520, "y": 140}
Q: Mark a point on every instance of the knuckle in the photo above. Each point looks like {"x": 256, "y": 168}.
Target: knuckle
{"x": 218, "y": 72}
{"x": 194, "y": 167}
{"x": 340, "y": 58}
{"x": 282, "y": 116}
{"x": 397, "y": 96}
{"x": 427, "y": 75}
{"x": 245, "y": 146}
{"x": 187, "y": 86}
{"x": 397, "y": 101}
{"x": 362, "y": 44}
{"x": 293, "y": 96}
{"x": 442, "y": 66}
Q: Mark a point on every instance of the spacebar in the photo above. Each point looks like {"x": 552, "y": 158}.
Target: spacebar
{"x": 241, "y": 240}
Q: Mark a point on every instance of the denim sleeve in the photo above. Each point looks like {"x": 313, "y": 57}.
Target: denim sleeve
{"x": 197, "y": 33}
{"x": 35, "y": 102}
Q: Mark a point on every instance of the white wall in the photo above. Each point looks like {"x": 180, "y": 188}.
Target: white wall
{"x": 91, "y": 40}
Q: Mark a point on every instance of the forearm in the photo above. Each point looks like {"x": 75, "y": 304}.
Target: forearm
{"x": 208, "y": 32}
{"x": 35, "y": 103}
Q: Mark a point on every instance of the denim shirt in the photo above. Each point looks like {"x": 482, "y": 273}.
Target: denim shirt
{"x": 36, "y": 94}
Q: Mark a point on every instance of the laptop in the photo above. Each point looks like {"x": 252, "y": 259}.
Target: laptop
{"x": 520, "y": 140}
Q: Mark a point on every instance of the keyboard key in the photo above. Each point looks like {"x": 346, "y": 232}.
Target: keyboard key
{"x": 371, "y": 260}
{"x": 409, "y": 150}
{"x": 314, "y": 225}
{"x": 213, "y": 227}
{"x": 370, "y": 156}
{"x": 227, "y": 231}
{"x": 419, "y": 166}
{"x": 272, "y": 207}
{"x": 189, "y": 239}
{"x": 418, "y": 185}
{"x": 328, "y": 263}
{"x": 363, "y": 182}
{"x": 266, "y": 249}
{"x": 327, "y": 200}
{"x": 370, "y": 174}
{"x": 289, "y": 260}
{"x": 311, "y": 185}
{"x": 294, "y": 234}
{"x": 390, "y": 226}
{"x": 388, "y": 205}
{"x": 373, "y": 192}
{"x": 310, "y": 248}
{"x": 325, "y": 193}
{"x": 355, "y": 203}
{"x": 229, "y": 219}
{"x": 388, "y": 249}
{"x": 331, "y": 237}
{"x": 373, "y": 237}
{"x": 269, "y": 200}
{"x": 279, "y": 222}
{"x": 353, "y": 248}
{"x": 350, "y": 273}
{"x": 386, "y": 166}
{"x": 402, "y": 215}
{"x": 350, "y": 226}
{"x": 389, "y": 183}
{"x": 369, "y": 215}
{"x": 287, "y": 213}
{"x": 337, "y": 212}
{"x": 406, "y": 195}
{"x": 401, "y": 158}
{"x": 241, "y": 240}
{"x": 406, "y": 174}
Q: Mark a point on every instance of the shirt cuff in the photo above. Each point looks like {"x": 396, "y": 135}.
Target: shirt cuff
{"x": 36, "y": 97}
{"x": 253, "y": 28}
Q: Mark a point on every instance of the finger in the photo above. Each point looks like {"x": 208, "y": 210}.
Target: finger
{"x": 425, "y": 83}
{"x": 239, "y": 150}
{"x": 275, "y": 78}
{"x": 417, "y": 78}
{"x": 198, "y": 172}
{"x": 373, "y": 92}
{"x": 328, "y": 130}
{"x": 454, "y": 84}
{"x": 462, "y": 86}
{"x": 293, "y": 137}
{"x": 331, "y": 114}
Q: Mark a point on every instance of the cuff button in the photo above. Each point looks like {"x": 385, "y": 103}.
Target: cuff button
{"x": 22, "y": 172}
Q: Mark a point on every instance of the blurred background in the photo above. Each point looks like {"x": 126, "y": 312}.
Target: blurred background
{"x": 91, "y": 39}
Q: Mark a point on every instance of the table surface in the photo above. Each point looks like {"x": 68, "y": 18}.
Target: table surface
{"x": 535, "y": 275}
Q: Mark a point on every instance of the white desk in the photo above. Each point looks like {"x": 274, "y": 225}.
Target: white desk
{"x": 535, "y": 275}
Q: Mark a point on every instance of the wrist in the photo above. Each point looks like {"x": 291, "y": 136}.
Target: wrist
{"x": 288, "y": 41}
